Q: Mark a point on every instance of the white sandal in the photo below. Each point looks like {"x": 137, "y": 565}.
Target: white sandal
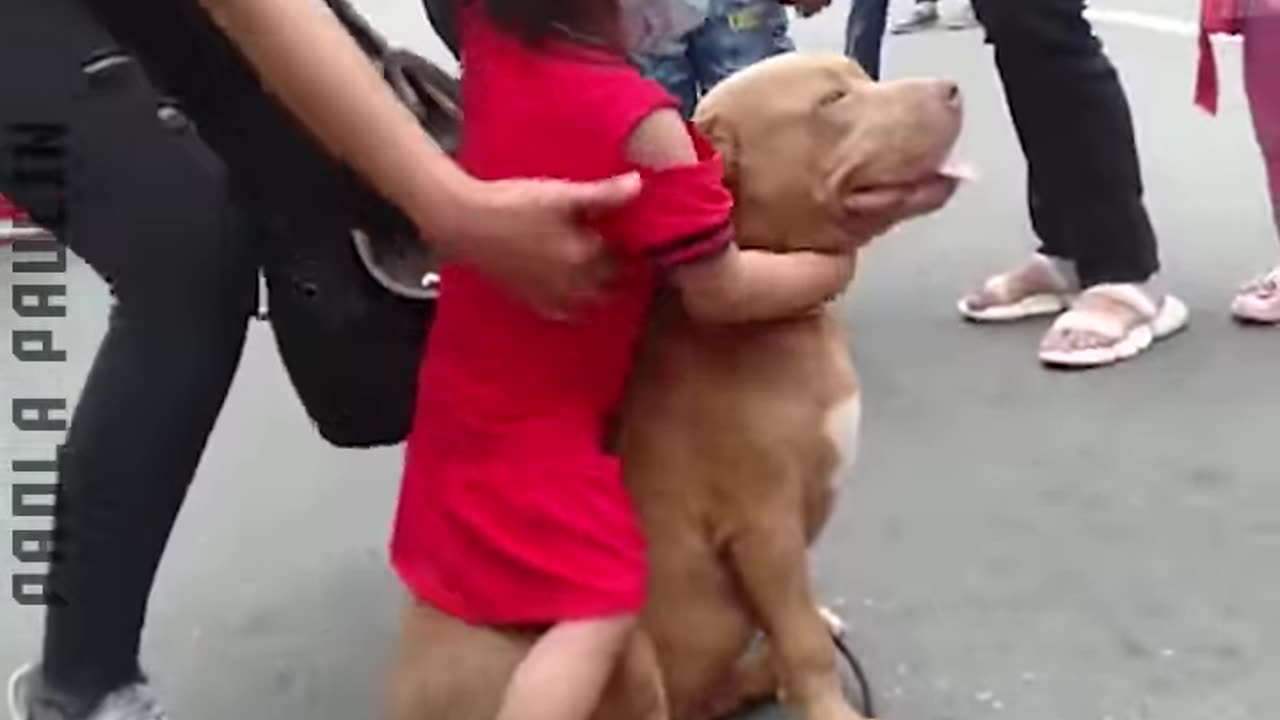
{"x": 1123, "y": 340}
{"x": 1008, "y": 307}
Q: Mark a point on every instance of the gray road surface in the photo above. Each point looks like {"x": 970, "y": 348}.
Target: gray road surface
{"x": 1015, "y": 543}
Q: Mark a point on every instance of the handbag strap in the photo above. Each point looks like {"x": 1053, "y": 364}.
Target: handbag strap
{"x": 370, "y": 40}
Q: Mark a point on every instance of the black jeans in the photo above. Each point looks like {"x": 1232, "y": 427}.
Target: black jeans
{"x": 1073, "y": 122}
{"x": 149, "y": 208}
{"x": 178, "y": 219}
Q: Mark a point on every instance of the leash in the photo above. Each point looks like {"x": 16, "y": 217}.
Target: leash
{"x": 859, "y": 675}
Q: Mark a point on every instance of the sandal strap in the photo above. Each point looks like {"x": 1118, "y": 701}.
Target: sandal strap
{"x": 1060, "y": 276}
{"x": 1266, "y": 283}
{"x": 1130, "y": 295}
{"x": 1105, "y": 323}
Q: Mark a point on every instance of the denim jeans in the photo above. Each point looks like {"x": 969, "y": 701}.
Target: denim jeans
{"x": 737, "y": 33}
{"x": 864, "y": 34}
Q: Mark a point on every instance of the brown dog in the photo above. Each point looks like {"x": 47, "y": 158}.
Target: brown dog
{"x": 733, "y": 437}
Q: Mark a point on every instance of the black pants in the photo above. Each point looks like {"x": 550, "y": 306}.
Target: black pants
{"x": 1073, "y": 122}
{"x": 177, "y": 221}
{"x": 148, "y": 207}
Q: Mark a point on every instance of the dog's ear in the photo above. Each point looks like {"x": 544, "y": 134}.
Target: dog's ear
{"x": 720, "y": 134}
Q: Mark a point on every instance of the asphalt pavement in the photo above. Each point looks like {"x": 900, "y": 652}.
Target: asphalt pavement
{"x": 1013, "y": 543}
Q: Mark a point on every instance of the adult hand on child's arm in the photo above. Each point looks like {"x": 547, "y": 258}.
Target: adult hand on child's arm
{"x": 527, "y": 234}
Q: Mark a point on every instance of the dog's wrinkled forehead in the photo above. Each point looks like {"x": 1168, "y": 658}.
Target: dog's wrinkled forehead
{"x": 780, "y": 89}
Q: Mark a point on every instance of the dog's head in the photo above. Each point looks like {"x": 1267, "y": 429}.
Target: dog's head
{"x": 806, "y": 136}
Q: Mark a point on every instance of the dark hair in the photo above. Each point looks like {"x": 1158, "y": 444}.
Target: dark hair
{"x": 536, "y": 20}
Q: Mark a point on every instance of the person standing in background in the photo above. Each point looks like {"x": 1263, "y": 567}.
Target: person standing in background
{"x": 735, "y": 34}
{"x": 1098, "y": 259}
{"x": 927, "y": 14}
{"x": 1258, "y": 301}
{"x": 864, "y": 32}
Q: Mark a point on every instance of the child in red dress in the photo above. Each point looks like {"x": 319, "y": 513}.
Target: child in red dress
{"x": 511, "y": 511}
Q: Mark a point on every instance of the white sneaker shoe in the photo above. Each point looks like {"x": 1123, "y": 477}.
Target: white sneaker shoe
{"x": 29, "y": 701}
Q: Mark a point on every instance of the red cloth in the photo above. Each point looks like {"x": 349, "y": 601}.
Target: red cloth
{"x": 510, "y": 510}
{"x": 1217, "y": 17}
{"x": 10, "y": 212}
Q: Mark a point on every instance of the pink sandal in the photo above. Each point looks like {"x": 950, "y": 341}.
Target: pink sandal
{"x": 1113, "y": 337}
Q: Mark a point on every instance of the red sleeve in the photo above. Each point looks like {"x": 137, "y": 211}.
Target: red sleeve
{"x": 683, "y": 214}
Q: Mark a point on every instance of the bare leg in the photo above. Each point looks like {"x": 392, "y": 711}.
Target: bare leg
{"x": 445, "y": 668}
{"x": 564, "y": 675}
{"x": 1259, "y": 299}
{"x": 636, "y": 691}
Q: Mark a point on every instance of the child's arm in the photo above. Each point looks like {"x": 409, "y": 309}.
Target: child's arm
{"x": 737, "y": 285}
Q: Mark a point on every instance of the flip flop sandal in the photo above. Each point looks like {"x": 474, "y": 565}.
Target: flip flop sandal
{"x": 1009, "y": 307}
{"x": 1125, "y": 340}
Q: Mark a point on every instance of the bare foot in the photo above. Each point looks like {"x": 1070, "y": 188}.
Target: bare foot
{"x": 1041, "y": 286}
{"x": 1111, "y": 322}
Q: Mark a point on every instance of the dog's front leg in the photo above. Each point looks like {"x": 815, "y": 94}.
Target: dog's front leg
{"x": 770, "y": 558}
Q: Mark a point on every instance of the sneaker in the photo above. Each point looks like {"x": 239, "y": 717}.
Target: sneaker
{"x": 29, "y": 700}
{"x": 924, "y": 15}
{"x": 1259, "y": 300}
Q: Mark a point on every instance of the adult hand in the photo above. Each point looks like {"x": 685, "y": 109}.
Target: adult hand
{"x": 531, "y": 237}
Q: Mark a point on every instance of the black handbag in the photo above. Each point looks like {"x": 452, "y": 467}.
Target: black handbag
{"x": 351, "y": 288}
{"x": 443, "y": 16}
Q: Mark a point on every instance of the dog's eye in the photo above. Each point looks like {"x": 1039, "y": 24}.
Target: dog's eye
{"x": 832, "y": 97}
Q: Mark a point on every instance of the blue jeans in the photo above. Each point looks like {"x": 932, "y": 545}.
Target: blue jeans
{"x": 737, "y": 33}
{"x": 864, "y": 34}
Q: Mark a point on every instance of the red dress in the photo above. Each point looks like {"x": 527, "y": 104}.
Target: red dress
{"x": 510, "y": 510}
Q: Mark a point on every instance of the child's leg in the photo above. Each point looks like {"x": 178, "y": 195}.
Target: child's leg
{"x": 564, "y": 674}
{"x": 1259, "y": 299}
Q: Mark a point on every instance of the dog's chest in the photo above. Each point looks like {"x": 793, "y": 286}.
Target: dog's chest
{"x": 842, "y": 427}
